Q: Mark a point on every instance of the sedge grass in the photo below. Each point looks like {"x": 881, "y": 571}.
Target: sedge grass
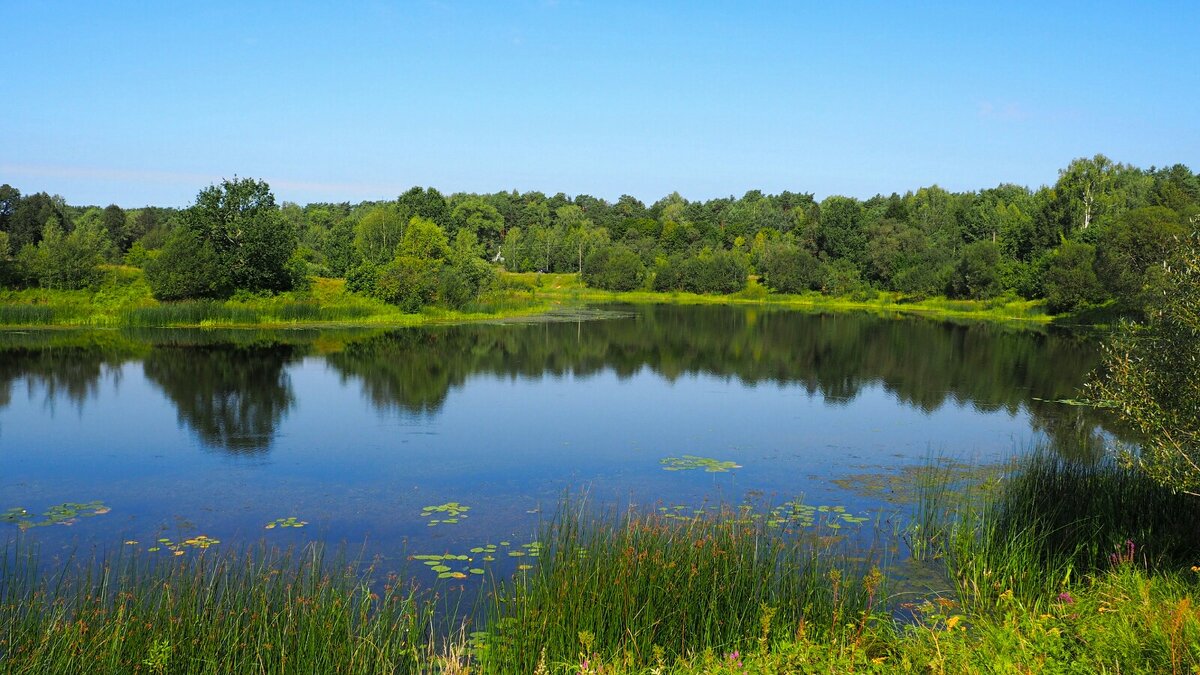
{"x": 258, "y": 611}
{"x": 643, "y": 588}
{"x": 1054, "y": 521}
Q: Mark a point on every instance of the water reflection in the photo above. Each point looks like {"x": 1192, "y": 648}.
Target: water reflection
{"x": 73, "y": 374}
{"x": 233, "y": 390}
{"x": 233, "y": 397}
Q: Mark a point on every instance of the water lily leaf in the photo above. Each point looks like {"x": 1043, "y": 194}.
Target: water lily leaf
{"x": 689, "y": 462}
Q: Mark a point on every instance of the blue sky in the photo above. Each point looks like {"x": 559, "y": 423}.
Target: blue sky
{"x": 147, "y": 103}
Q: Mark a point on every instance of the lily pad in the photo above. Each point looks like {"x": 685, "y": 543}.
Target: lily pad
{"x": 290, "y": 521}
{"x": 452, "y": 511}
{"x": 66, "y": 513}
{"x": 689, "y": 462}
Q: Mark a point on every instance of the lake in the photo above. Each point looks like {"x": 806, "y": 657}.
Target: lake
{"x": 172, "y": 434}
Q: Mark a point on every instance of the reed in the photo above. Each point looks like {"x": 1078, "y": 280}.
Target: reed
{"x": 643, "y": 589}
{"x": 258, "y": 611}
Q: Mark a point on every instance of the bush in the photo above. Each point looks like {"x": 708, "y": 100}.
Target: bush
{"x": 462, "y": 281}
{"x": 718, "y": 272}
{"x": 614, "y": 268}
{"x": 977, "y": 274}
{"x": 408, "y": 282}
{"x": 1152, "y": 377}
{"x": 361, "y": 278}
{"x": 186, "y": 268}
{"x": 1069, "y": 279}
{"x": 841, "y": 277}
{"x": 66, "y": 261}
{"x": 790, "y": 269}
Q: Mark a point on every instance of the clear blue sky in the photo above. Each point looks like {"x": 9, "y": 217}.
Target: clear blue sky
{"x": 149, "y": 102}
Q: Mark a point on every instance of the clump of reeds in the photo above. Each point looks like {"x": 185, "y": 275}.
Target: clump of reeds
{"x": 1058, "y": 519}
{"x": 643, "y": 588}
{"x": 27, "y": 315}
{"x": 258, "y": 611}
{"x": 189, "y": 313}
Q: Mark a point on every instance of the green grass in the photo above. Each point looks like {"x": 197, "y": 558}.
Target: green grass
{"x": 123, "y": 299}
{"x": 258, "y": 611}
{"x": 568, "y": 287}
{"x": 1057, "y": 520}
{"x": 639, "y": 589}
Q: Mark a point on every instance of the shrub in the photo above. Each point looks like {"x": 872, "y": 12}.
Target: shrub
{"x": 790, "y": 269}
{"x": 408, "y": 282}
{"x": 614, "y": 268}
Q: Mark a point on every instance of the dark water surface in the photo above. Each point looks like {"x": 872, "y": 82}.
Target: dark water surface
{"x": 182, "y": 433}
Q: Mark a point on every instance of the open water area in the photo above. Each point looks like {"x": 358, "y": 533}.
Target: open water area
{"x": 376, "y": 439}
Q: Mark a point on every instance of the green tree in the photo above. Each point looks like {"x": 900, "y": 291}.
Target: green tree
{"x": 423, "y": 239}
{"x": 68, "y": 261}
{"x": 29, "y": 217}
{"x": 614, "y": 268}
{"x": 252, "y": 245}
{"x": 466, "y": 275}
{"x": 841, "y": 277}
{"x": 1069, "y": 277}
{"x": 7, "y": 266}
{"x": 10, "y": 197}
{"x": 378, "y": 233}
{"x": 187, "y": 267}
{"x": 426, "y": 203}
{"x": 408, "y": 282}
{"x": 977, "y": 274}
{"x": 842, "y": 234}
{"x": 114, "y": 224}
{"x": 787, "y": 268}
{"x": 1151, "y": 377}
{"x": 1131, "y": 255}
{"x": 477, "y": 216}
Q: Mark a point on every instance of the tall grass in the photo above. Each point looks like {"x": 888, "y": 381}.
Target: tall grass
{"x": 189, "y": 313}
{"x": 641, "y": 589}
{"x": 260, "y": 611}
{"x": 27, "y": 315}
{"x": 1055, "y": 521}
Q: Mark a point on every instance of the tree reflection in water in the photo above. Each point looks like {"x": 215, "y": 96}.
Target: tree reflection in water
{"x": 233, "y": 397}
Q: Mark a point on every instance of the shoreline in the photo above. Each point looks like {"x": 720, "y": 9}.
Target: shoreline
{"x": 124, "y": 302}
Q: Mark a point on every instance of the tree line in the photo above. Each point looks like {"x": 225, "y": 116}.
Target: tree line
{"x": 1102, "y": 232}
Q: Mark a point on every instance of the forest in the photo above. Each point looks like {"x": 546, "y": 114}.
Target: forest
{"x": 1099, "y": 236}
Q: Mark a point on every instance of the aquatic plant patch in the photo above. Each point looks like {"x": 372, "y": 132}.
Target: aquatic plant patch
{"x": 290, "y": 521}
{"x": 452, "y": 511}
{"x": 200, "y": 542}
{"x": 448, "y": 565}
{"x": 689, "y": 462}
{"x": 67, "y": 513}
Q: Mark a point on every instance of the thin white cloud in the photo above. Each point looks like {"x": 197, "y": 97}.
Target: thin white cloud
{"x": 1002, "y": 110}
{"x": 197, "y": 180}
{"x": 104, "y": 174}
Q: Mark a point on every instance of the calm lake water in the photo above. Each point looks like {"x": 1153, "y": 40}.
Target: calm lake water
{"x": 180, "y": 432}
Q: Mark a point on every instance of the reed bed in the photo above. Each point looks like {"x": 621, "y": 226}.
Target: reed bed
{"x": 33, "y": 315}
{"x": 646, "y": 589}
{"x": 260, "y": 611}
{"x": 1055, "y": 521}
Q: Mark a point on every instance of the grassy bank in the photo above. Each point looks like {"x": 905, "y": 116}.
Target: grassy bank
{"x": 569, "y": 288}
{"x": 1053, "y": 572}
{"x": 123, "y": 299}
